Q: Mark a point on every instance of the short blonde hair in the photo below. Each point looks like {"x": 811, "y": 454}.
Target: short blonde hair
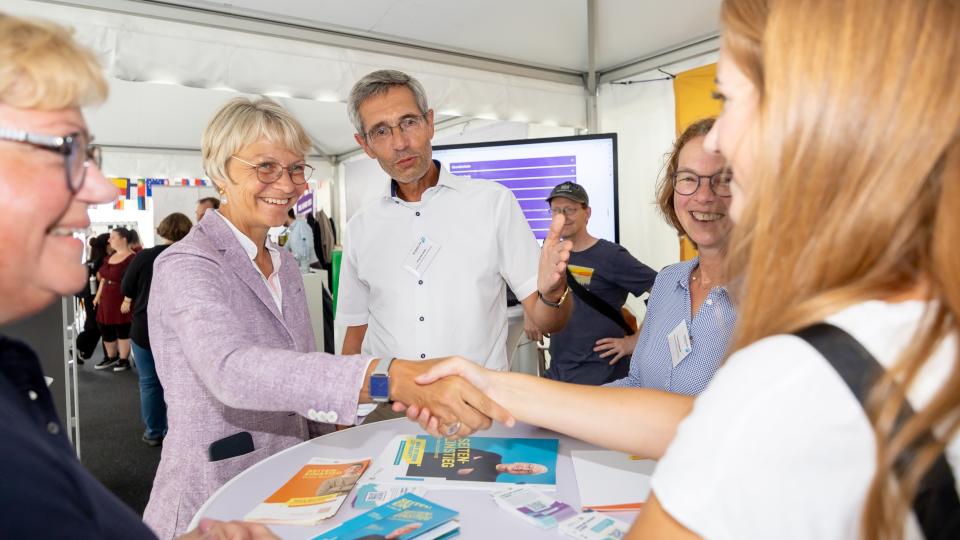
{"x": 42, "y": 67}
{"x": 242, "y": 122}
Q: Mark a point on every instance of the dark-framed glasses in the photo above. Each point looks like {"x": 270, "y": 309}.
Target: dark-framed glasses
{"x": 567, "y": 212}
{"x": 687, "y": 182}
{"x": 383, "y": 132}
{"x": 269, "y": 172}
{"x": 76, "y": 148}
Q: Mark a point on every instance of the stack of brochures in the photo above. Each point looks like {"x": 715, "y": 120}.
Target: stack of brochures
{"x": 534, "y": 507}
{"x": 371, "y": 495}
{"x": 594, "y": 526}
{"x": 315, "y": 493}
{"x": 487, "y": 463}
{"x": 541, "y": 510}
{"x": 404, "y": 518}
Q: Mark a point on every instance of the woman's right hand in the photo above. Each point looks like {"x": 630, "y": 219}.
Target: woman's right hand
{"x": 476, "y": 375}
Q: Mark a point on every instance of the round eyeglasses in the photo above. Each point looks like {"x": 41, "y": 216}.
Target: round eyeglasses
{"x": 687, "y": 183}
{"x": 269, "y": 172}
{"x": 77, "y": 151}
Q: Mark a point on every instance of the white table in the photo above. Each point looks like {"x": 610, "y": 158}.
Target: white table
{"x": 480, "y": 517}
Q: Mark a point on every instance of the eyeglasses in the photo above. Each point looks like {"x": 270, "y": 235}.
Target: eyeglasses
{"x": 269, "y": 172}
{"x": 687, "y": 183}
{"x": 383, "y": 132}
{"x": 567, "y": 212}
{"x": 78, "y": 154}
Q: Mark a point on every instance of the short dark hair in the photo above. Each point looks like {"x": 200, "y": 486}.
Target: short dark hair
{"x": 174, "y": 227}
{"x": 291, "y": 214}
{"x": 212, "y": 201}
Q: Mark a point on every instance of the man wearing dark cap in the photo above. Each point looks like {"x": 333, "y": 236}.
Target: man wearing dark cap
{"x": 589, "y": 348}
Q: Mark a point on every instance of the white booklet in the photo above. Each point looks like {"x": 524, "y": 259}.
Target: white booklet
{"x": 612, "y": 481}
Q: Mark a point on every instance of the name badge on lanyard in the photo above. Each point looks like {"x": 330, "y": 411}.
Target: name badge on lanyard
{"x": 679, "y": 342}
{"x": 419, "y": 259}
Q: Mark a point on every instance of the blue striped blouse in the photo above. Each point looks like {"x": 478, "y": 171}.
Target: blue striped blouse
{"x": 651, "y": 365}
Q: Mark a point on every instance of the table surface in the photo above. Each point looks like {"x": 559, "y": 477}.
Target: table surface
{"x": 480, "y": 517}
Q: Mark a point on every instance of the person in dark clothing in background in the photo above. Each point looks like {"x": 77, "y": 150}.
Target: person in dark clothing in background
{"x": 136, "y": 292}
{"x": 604, "y": 273}
{"x": 88, "y": 338}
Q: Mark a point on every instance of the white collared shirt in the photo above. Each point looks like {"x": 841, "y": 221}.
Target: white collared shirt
{"x": 273, "y": 281}
{"x": 457, "y": 306}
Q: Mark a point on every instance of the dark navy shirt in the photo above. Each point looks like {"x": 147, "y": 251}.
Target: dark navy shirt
{"x": 609, "y": 272}
{"x": 44, "y": 491}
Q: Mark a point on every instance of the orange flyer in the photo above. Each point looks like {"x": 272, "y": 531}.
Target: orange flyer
{"x": 315, "y": 493}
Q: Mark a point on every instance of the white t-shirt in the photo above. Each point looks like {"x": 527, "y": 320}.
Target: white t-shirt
{"x": 457, "y": 304}
{"x": 778, "y": 447}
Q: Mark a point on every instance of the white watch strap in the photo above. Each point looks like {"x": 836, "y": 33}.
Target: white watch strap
{"x": 383, "y": 366}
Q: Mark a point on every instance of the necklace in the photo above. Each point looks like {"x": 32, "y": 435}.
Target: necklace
{"x": 695, "y": 279}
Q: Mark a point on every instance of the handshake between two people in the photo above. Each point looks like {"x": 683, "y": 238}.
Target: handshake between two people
{"x": 449, "y": 397}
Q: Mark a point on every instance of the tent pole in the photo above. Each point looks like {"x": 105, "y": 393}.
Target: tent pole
{"x": 591, "y": 82}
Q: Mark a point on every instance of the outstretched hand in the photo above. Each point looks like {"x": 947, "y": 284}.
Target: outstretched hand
{"x": 551, "y": 277}
{"x": 453, "y": 368}
{"x": 429, "y": 385}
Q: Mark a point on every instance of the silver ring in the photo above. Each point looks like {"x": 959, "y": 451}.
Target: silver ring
{"x": 453, "y": 428}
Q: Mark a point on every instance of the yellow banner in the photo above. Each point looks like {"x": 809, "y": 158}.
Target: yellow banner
{"x": 693, "y": 94}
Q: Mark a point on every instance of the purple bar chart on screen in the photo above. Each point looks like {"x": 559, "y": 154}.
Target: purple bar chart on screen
{"x": 530, "y": 180}
{"x": 305, "y": 204}
{"x": 530, "y": 168}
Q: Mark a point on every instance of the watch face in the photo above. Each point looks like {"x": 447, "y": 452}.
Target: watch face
{"x": 379, "y": 387}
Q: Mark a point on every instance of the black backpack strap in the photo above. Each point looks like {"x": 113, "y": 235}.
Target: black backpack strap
{"x": 598, "y": 304}
{"x": 936, "y": 505}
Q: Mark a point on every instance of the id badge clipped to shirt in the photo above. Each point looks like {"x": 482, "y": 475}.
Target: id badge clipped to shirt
{"x": 679, "y": 342}
{"x": 419, "y": 259}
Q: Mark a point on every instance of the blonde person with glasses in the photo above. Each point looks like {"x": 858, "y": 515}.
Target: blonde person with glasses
{"x": 837, "y": 413}
{"x": 49, "y": 177}
{"x": 231, "y": 335}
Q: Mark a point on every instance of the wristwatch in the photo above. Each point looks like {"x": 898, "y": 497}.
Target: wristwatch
{"x": 380, "y": 381}
{"x": 556, "y": 304}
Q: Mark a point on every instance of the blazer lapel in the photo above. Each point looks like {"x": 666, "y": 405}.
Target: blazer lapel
{"x": 241, "y": 265}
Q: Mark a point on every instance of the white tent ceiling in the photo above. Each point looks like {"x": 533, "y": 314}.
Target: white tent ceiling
{"x": 173, "y": 63}
{"x": 547, "y": 33}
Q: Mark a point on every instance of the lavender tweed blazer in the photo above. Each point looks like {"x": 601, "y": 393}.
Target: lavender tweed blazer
{"x": 230, "y": 361}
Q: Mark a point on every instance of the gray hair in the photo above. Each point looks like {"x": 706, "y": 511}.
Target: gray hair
{"x": 378, "y": 83}
{"x": 242, "y": 122}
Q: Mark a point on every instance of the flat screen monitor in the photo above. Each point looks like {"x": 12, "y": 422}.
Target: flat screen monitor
{"x": 530, "y": 168}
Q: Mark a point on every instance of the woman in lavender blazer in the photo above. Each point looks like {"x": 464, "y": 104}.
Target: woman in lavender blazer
{"x": 230, "y": 329}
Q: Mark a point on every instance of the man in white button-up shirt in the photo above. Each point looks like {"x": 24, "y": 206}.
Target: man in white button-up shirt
{"x": 426, "y": 265}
